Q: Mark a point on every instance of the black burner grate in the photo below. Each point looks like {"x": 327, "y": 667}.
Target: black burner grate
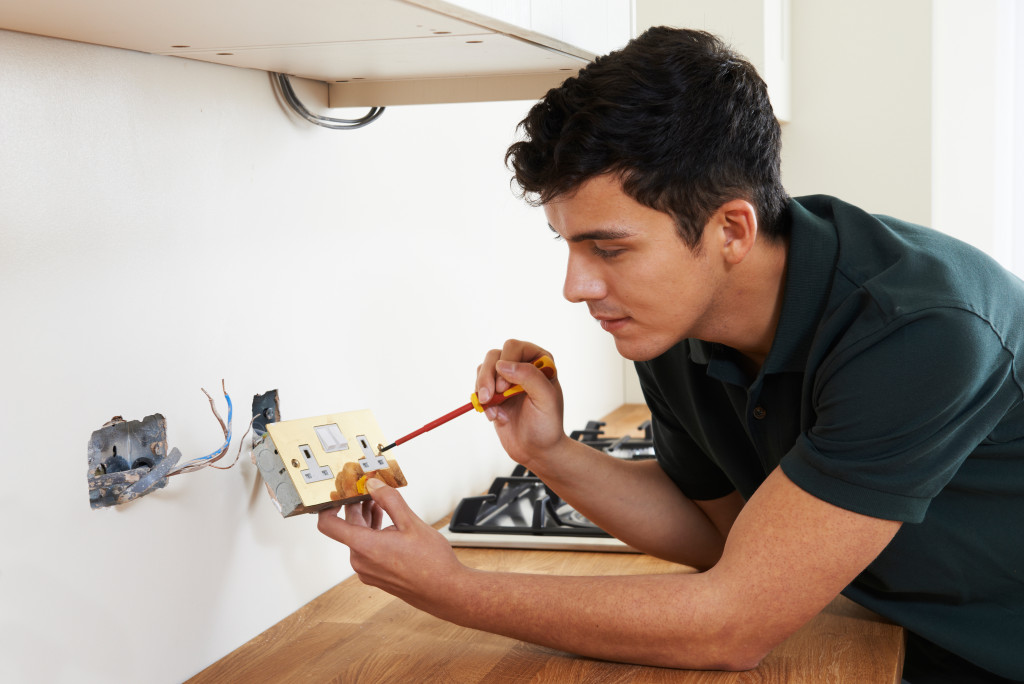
{"x": 523, "y": 504}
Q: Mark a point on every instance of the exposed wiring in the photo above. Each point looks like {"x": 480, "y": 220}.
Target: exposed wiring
{"x": 238, "y": 453}
{"x": 211, "y": 458}
{"x": 226, "y": 429}
{"x": 327, "y": 122}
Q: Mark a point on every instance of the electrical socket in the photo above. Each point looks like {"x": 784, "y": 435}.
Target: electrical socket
{"x": 314, "y": 472}
{"x": 308, "y": 463}
{"x": 371, "y": 460}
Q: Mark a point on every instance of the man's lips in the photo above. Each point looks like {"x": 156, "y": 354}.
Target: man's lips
{"x": 611, "y": 323}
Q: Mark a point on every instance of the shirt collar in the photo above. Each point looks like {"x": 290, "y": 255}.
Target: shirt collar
{"x": 810, "y": 266}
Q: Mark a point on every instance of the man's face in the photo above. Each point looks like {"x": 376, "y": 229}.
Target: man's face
{"x": 641, "y": 282}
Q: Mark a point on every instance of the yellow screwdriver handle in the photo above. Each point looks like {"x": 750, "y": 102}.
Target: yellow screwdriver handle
{"x": 545, "y": 363}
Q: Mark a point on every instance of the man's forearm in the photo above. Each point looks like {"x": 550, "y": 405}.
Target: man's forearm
{"x": 787, "y": 556}
{"x": 669, "y": 620}
{"x": 633, "y": 500}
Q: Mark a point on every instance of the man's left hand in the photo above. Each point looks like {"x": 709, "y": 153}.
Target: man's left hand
{"x": 409, "y": 559}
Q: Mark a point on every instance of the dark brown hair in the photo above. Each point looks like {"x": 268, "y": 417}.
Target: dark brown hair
{"x": 682, "y": 120}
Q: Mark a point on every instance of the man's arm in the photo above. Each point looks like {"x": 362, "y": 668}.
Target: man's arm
{"x": 637, "y": 502}
{"x": 783, "y": 555}
{"x": 621, "y": 497}
{"x": 787, "y": 555}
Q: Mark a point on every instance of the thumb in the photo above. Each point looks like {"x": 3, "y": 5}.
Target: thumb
{"x": 392, "y": 502}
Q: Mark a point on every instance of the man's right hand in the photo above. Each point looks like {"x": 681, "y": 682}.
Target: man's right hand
{"x": 531, "y": 425}
{"x": 620, "y": 496}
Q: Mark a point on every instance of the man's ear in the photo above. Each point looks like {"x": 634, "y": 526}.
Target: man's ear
{"x": 737, "y": 221}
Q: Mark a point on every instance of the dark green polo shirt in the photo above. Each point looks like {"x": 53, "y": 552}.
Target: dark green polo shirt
{"x": 894, "y": 388}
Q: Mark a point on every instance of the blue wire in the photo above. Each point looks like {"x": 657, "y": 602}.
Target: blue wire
{"x": 227, "y": 440}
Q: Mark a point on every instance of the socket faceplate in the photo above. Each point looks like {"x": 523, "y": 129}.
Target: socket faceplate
{"x": 313, "y": 463}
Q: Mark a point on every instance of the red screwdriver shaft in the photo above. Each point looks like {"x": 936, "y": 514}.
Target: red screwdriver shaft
{"x": 431, "y": 425}
{"x": 544, "y": 363}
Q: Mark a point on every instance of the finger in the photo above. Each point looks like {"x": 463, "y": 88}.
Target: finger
{"x": 485, "y": 376}
{"x": 392, "y": 503}
{"x": 488, "y": 381}
{"x": 356, "y": 514}
{"x": 541, "y": 390}
{"x": 330, "y": 525}
{"x": 376, "y": 515}
{"x": 373, "y": 514}
{"x": 516, "y": 351}
{"x": 496, "y": 414}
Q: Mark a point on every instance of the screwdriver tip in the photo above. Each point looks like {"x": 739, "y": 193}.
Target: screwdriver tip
{"x": 381, "y": 449}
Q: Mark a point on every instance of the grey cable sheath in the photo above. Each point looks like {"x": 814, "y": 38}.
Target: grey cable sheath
{"x": 327, "y": 122}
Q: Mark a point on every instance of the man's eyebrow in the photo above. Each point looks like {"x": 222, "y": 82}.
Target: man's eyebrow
{"x": 597, "y": 234}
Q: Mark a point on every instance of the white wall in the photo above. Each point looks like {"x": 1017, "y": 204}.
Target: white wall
{"x": 978, "y": 137}
{"x": 913, "y": 109}
{"x": 860, "y": 124}
{"x": 166, "y": 224}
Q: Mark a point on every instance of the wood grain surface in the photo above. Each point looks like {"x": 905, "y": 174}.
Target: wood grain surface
{"x": 626, "y": 420}
{"x": 355, "y": 633}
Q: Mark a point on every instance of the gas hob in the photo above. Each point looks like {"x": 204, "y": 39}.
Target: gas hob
{"x": 520, "y": 511}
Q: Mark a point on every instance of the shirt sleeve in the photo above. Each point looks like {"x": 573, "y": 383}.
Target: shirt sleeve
{"x": 697, "y": 476}
{"x": 899, "y": 410}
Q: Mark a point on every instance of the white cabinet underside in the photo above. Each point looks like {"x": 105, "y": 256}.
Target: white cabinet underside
{"x": 371, "y": 52}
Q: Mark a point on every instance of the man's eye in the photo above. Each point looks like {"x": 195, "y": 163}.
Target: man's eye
{"x": 607, "y": 253}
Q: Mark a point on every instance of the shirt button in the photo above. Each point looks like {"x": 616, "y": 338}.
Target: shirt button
{"x": 759, "y": 412}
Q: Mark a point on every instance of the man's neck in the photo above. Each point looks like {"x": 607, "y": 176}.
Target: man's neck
{"x": 751, "y": 304}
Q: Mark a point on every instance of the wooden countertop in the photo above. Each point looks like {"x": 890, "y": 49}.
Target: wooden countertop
{"x": 355, "y": 633}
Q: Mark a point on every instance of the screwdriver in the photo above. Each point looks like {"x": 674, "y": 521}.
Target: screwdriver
{"x": 546, "y": 365}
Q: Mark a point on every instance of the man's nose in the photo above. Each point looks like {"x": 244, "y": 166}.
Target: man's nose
{"x": 582, "y": 283}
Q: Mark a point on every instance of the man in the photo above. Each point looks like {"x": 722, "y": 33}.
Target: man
{"x": 837, "y": 398}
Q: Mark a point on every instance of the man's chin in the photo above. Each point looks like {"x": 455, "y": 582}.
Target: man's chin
{"x": 632, "y": 351}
